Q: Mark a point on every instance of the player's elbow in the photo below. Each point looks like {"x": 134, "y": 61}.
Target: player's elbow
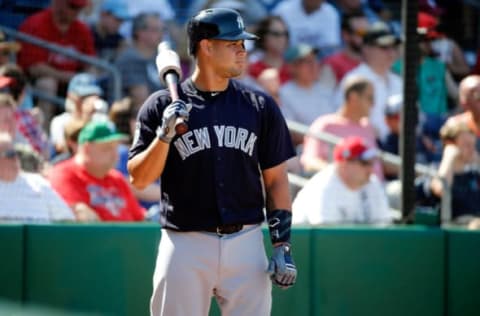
{"x": 137, "y": 183}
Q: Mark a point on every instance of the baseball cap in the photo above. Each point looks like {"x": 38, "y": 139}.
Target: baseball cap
{"x": 299, "y": 51}
{"x": 100, "y": 132}
{"x": 84, "y": 84}
{"x": 78, "y": 3}
{"x": 117, "y": 8}
{"x": 427, "y": 25}
{"x": 379, "y": 34}
{"x": 354, "y": 148}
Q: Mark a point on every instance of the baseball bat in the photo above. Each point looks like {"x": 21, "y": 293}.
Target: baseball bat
{"x": 169, "y": 71}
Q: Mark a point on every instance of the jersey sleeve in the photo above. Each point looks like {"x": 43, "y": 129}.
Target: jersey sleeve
{"x": 275, "y": 144}
{"x": 148, "y": 120}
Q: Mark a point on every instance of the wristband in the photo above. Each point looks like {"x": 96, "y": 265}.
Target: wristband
{"x": 279, "y": 225}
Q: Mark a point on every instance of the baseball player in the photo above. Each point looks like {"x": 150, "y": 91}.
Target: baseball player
{"x": 217, "y": 178}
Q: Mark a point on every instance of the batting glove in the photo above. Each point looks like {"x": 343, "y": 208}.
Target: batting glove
{"x": 176, "y": 109}
{"x": 282, "y": 269}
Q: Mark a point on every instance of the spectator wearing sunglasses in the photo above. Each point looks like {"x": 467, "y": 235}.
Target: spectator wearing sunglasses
{"x": 351, "y": 119}
{"x": 379, "y": 51}
{"x": 270, "y": 48}
{"x": 460, "y": 168}
{"x": 353, "y": 27}
{"x": 346, "y": 191}
{"x": 26, "y": 197}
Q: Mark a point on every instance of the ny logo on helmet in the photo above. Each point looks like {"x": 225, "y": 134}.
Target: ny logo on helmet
{"x": 240, "y": 23}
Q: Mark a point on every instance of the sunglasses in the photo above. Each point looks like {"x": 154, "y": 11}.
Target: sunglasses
{"x": 278, "y": 33}
{"x": 9, "y": 154}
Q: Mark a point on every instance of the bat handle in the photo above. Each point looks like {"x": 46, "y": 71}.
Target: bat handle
{"x": 171, "y": 79}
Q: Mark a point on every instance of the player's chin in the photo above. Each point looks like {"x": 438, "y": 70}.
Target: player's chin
{"x": 236, "y": 72}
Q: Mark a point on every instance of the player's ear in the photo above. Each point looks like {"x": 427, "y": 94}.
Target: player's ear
{"x": 206, "y": 46}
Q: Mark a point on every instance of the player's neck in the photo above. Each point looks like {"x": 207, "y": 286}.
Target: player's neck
{"x": 205, "y": 80}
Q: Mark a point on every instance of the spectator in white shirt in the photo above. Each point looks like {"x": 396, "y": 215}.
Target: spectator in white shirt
{"x": 380, "y": 50}
{"x": 307, "y": 95}
{"x": 26, "y": 197}
{"x": 314, "y": 22}
{"x": 345, "y": 192}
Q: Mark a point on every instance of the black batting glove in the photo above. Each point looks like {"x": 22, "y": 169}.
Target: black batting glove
{"x": 176, "y": 109}
{"x": 281, "y": 268}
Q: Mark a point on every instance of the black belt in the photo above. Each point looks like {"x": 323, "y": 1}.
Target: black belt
{"x": 225, "y": 229}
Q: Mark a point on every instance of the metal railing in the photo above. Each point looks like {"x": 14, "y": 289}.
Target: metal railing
{"x": 332, "y": 140}
{"x": 116, "y": 83}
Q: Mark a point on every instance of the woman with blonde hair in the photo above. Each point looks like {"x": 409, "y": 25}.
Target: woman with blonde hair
{"x": 460, "y": 170}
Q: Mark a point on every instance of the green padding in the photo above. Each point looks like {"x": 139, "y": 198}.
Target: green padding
{"x": 463, "y": 273}
{"x": 11, "y": 261}
{"x": 102, "y": 268}
{"x": 296, "y": 300}
{"x": 365, "y": 271}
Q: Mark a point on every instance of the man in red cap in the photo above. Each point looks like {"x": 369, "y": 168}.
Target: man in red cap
{"x": 58, "y": 24}
{"x": 345, "y": 192}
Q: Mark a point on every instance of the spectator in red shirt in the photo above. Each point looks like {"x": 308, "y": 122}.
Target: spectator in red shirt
{"x": 354, "y": 26}
{"x": 57, "y": 24}
{"x": 89, "y": 183}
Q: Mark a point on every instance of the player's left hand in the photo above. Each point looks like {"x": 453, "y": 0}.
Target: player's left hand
{"x": 176, "y": 109}
{"x": 282, "y": 269}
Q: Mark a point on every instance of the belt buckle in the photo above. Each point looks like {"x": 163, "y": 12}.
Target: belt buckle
{"x": 230, "y": 229}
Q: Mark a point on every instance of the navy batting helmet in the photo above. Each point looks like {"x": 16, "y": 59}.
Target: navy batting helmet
{"x": 216, "y": 23}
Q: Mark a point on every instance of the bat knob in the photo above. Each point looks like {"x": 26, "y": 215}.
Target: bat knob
{"x": 181, "y": 127}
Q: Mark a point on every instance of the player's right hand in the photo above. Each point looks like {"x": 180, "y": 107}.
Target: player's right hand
{"x": 176, "y": 109}
{"x": 282, "y": 269}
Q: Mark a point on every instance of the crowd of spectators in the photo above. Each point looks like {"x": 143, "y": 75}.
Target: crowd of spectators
{"x": 332, "y": 65}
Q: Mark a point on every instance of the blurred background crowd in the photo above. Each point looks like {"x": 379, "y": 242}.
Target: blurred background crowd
{"x": 67, "y": 110}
